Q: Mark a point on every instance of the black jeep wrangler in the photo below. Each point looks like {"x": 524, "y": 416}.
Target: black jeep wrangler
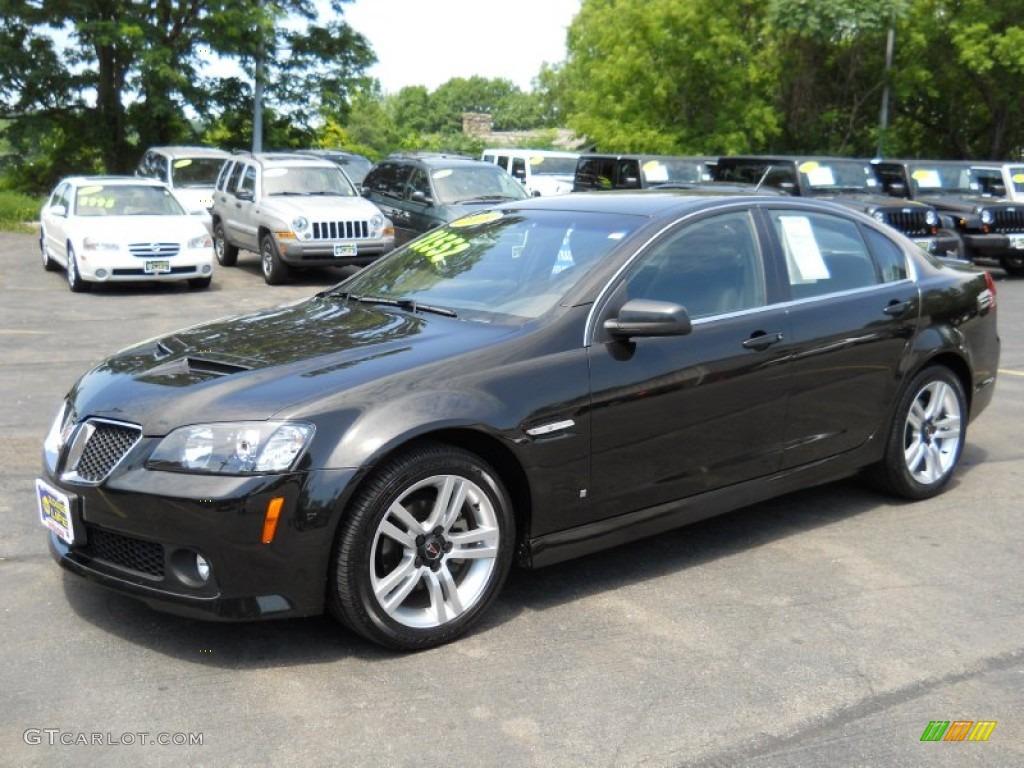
{"x": 991, "y": 228}
{"x": 848, "y": 181}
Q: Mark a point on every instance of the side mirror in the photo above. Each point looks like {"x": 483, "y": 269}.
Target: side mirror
{"x": 58, "y": 210}
{"x": 645, "y": 317}
{"x": 245, "y": 194}
{"x": 896, "y": 189}
{"x": 419, "y": 197}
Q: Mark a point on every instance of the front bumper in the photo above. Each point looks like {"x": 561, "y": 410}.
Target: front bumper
{"x": 106, "y": 266}
{"x": 994, "y": 246}
{"x": 320, "y": 253}
{"x": 140, "y": 534}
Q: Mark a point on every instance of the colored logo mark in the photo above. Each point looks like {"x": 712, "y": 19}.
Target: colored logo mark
{"x": 958, "y": 730}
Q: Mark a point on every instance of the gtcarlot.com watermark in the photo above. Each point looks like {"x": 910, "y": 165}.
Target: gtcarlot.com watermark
{"x": 54, "y": 737}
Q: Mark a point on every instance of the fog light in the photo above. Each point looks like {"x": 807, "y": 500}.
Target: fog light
{"x": 202, "y": 568}
{"x": 101, "y": 274}
{"x": 207, "y": 269}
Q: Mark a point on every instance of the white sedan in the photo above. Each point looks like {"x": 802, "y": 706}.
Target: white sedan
{"x": 107, "y": 228}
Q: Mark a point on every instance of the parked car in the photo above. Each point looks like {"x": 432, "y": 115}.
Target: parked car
{"x": 355, "y": 166}
{"x": 190, "y": 172}
{"x": 1000, "y": 179}
{"x": 295, "y": 211}
{"x": 103, "y": 229}
{"x": 532, "y": 382}
{"x": 991, "y": 229}
{"x": 601, "y": 173}
{"x": 847, "y": 181}
{"x": 540, "y": 171}
{"x": 420, "y": 192}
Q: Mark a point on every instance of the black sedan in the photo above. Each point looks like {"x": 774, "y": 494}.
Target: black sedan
{"x": 526, "y": 384}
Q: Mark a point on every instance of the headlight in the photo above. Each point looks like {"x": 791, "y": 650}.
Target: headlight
{"x": 204, "y": 241}
{"x": 92, "y": 244}
{"x": 986, "y": 216}
{"x": 58, "y": 435}
{"x": 931, "y": 219}
{"x": 879, "y": 216}
{"x": 300, "y": 223}
{"x": 377, "y": 223}
{"x": 240, "y": 448}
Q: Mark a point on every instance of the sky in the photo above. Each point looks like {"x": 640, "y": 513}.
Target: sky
{"x": 428, "y": 42}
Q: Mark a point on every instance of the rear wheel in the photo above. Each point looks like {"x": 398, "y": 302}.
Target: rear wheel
{"x": 226, "y": 253}
{"x": 75, "y": 281}
{"x": 275, "y": 271}
{"x": 926, "y": 437}
{"x": 423, "y": 550}
{"x": 1013, "y": 265}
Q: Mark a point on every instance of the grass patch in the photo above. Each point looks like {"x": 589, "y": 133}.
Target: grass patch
{"x": 18, "y": 210}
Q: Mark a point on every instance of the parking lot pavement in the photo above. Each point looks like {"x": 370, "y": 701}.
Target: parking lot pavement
{"x": 828, "y": 627}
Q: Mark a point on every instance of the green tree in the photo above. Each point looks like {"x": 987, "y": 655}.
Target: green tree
{"x": 668, "y": 76}
{"x": 129, "y": 74}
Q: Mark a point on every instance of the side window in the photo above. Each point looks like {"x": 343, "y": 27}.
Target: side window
{"x": 222, "y": 177}
{"x": 234, "y": 178}
{"x": 418, "y": 182}
{"x": 388, "y": 179}
{"x": 824, "y": 254}
{"x": 711, "y": 267}
{"x": 628, "y": 174}
{"x": 503, "y": 161}
{"x": 594, "y": 173}
{"x": 890, "y": 261}
{"x": 519, "y": 168}
{"x": 248, "y": 183}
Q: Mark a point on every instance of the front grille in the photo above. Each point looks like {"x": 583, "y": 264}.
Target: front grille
{"x": 908, "y": 222}
{"x": 1008, "y": 219}
{"x": 106, "y": 444}
{"x": 146, "y": 557}
{"x": 340, "y": 230}
{"x": 154, "y": 250}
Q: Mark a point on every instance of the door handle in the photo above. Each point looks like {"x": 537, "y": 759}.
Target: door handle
{"x": 896, "y": 308}
{"x": 761, "y": 340}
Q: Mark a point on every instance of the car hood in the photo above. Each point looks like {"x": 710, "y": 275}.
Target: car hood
{"x": 320, "y": 206}
{"x": 267, "y": 364}
{"x": 140, "y": 229}
{"x": 962, "y": 203}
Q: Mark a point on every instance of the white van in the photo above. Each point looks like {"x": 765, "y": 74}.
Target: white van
{"x": 540, "y": 171}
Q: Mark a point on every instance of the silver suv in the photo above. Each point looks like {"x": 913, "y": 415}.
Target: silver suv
{"x": 294, "y": 211}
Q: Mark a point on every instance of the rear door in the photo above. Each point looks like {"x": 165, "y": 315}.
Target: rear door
{"x": 853, "y": 312}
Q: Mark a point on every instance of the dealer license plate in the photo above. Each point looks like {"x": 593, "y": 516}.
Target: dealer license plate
{"x": 926, "y": 244}
{"x": 344, "y": 249}
{"x": 1017, "y": 242}
{"x": 157, "y": 267}
{"x": 55, "y": 511}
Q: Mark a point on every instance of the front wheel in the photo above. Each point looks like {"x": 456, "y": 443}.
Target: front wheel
{"x": 926, "y": 437}
{"x": 1013, "y": 265}
{"x": 48, "y": 263}
{"x": 423, "y": 550}
{"x": 275, "y": 271}
{"x": 75, "y": 282}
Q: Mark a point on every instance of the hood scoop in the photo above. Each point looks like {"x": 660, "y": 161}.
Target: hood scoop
{"x": 192, "y": 369}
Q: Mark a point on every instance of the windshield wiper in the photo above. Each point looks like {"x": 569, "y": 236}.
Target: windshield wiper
{"x": 408, "y": 304}
{"x": 484, "y": 199}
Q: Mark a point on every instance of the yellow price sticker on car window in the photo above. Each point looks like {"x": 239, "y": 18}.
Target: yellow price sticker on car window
{"x": 476, "y": 218}
{"x": 85, "y": 191}
{"x": 1018, "y": 178}
{"x": 809, "y": 166}
{"x": 183, "y": 162}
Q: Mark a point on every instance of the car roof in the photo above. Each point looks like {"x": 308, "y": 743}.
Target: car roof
{"x": 642, "y": 156}
{"x": 132, "y": 181}
{"x": 792, "y": 159}
{"x": 439, "y": 160}
{"x": 282, "y": 159}
{"x": 181, "y": 150}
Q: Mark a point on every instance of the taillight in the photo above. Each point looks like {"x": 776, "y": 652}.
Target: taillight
{"x": 991, "y": 284}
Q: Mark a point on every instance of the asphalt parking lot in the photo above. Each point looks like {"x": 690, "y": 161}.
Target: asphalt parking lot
{"x": 825, "y": 628}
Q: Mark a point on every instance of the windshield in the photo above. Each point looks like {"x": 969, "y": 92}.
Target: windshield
{"x": 305, "y": 180}
{"x": 944, "y": 178}
{"x": 828, "y": 177}
{"x": 467, "y": 183}
{"x": 1016, "y": 174}
{"x": 668, "y": 170}
{"x": 491, "y": 264}
{"x": 195, "y": 171}
{"x": 561, "y": 166}
{"x": 126, "y": 200}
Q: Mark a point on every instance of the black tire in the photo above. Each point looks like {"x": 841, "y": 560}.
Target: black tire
{"x": 1013, "y": 265}
{"x": 199, "y": 283}
{"x": 275, "y": 271}
{"x": 403, "y": 585}
{"x": 48, "y": 264}
{"x": 75, "y": 281}
{"x": 926, "y": 437}
{"x": 226, "y": 253}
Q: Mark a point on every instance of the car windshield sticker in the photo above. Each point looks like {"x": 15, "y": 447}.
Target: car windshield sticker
{"x": 1018, "y": 178}
{"x": 927, "y": 178}
{"x": 438, "y": 245}
{"x": 476, "y": 218}
{"x": 803, "y": 257}
{"x": 90, "y": 197}
{"x": 85, "y": 191}
{"x": 655, "y": 171}
{"x": 442, "y": 174}
{"x": 818, "y": 175}
{"x": 536, "y": 161}
{"x": 183, "y": 162}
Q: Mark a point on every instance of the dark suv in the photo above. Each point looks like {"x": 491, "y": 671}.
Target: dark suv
{"x": 991, "y": 228}
{"x": 421, "y": 192}
{"x": 850, "y": 182}
{"x": 595, "y": 173}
